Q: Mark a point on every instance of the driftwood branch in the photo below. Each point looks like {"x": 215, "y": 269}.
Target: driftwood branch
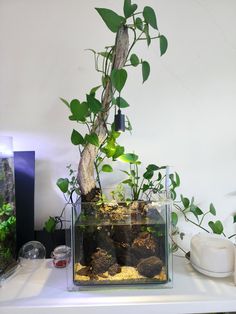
{"x": 86, "y": 177}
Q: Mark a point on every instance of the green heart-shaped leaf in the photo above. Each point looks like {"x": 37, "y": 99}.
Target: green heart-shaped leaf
{"x": 145, "y": 70}
{"x": 216, "y": 227}
{"x": 121, "y": 103}
{"x": 145, "y": 187}
{"x": 79, "y": 110}
{"x": 196, "y": 211}
{"x": 139, "y": 23}
{"x": 130, "y": 158}
{"x": 150, "y": 17}
{"x": 152, "y": 167}
{"x": 76, "y": 138}
{"x": 63, "y": 184}
{"x": 129, "y": 8}
{"x": 118, "y": 152}
{"x": 212, "y": 209}
{"x": 148, "y": 174}
{"x": 163, "y": 44}
{"x": 118, "y": 78}
{"x": 107, "y": 168}
{"x": 185, "y": 201}
{"x": 134, "y": 60}
{"x": 74, "y": 106}
{"x": 92, "y": 139}
{"x": 110, "y": 148}
{"x": 94, "y": 104}
{"x": 111, "y": 19}
{"x": 177, "y": 179}
{"x": 146, "y": 31}
{"x": 174, "y": 219}
{"x": 50, "y": 225}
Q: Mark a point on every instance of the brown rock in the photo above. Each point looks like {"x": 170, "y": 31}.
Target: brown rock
{"x": 101, "y": 261}
{"x": 114, "y": 269}
{"x": 150, "y": 267}
{"x": 85, "y": 271}
{"x": 104, "y": 241}
{"x": 124, "y": 254}
{"x": 123, "y": 234}
{"x": 144, "y": 245}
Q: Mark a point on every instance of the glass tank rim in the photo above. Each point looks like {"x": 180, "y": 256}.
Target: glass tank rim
{"x": 158, "y": 202}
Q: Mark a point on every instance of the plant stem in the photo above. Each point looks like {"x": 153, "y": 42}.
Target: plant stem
{"x": 203, "y": 218}
{"x": 138, "y": 13}
{"x": 177, "y": 245}
{"x": 140, "y": 187}
{"x": 133, "y": 43}
{"x": 150, "y": 38}
{"x": 88, "y": 126}
{"x": 98, "y": 176}
{"x": 107, "y": 59}
{"x": 132, "y": 188}
{"x": 189, "y": 220}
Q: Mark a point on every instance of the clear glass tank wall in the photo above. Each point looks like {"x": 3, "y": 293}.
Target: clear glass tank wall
{"x": 121, "y": 244}
{"x": 7, "y": 204}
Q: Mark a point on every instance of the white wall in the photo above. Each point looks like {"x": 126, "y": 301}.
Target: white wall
{"x": 183, "y": 116}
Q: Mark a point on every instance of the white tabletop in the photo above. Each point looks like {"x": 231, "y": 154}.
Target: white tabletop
{"x": 44, "y": 291}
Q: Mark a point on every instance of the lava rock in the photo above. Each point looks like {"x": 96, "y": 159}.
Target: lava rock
{"x": 101, "y": 261}
{"x": 114, "y": 269}
{"x": 145, "y": 245}
{"x": 122, "y": 234}
{"x": 85, "y": 271}
{"x": 124, "y": 254}
{"x": 92, "y": 196}
{"x": 150, "y": 267}
{"x": 86, "y": 244}
{"x": 104, "y": 241}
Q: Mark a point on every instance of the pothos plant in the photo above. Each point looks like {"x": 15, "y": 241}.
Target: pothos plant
{"x": 100, "y": 141}
{"x": 96, "y": 136}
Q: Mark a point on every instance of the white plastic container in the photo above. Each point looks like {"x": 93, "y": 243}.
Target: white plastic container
{"x": 212, "y": 255}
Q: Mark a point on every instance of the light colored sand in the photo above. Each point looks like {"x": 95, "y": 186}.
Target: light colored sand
{"x": 127, "y": 273}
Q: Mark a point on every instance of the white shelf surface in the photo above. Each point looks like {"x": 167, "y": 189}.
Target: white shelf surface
{"x": 44, "y": 291}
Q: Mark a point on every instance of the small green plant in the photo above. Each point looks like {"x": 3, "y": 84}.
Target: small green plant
{"x": 118, "y": 194}
{"x": 69, "y": 187}
{"x": 152, "y": 181}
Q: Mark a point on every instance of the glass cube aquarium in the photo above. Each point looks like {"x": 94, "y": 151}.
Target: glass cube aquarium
{"x": 7, "y": 207}
{"x": 125, "y": 243}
